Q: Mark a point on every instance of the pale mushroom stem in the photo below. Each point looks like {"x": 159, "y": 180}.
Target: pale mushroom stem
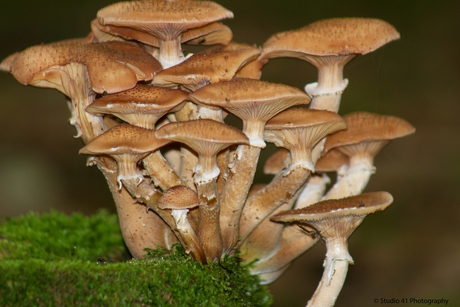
{"x": 192, "y": 243}
{"x": 260, "y": 205}
{"x": 335, "y": 271}
{"x": 78, "y": 88}
{"x": 140, "y": 229}
{"x": 188, "y": 159}
{"x": 235, "y": 192}
{"x": 313, "y": 191}
{"x": 294, "y": 243}
{"x": 327, "y": 92}
{"x": 361, "y": 166}
{"x": 160, "y": 171}
{"x": 209, "y": 233}
{"x": 170, "y": 52}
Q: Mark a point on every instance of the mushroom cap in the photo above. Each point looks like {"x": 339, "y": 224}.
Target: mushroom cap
{"x": 207, "y": 137}
{"x": 281, "y": 128}
{"x": 250, "y": 98}
{"x": 179, "y": 198}
{"x": 355, "y": 206}
{"x": 210, "y": 34}
{"x": 124, "y": 140}
{"x": 332, "y": 161}
{"x": 331, "y": 37}
{"x": 214, "y": 65}
{"x": 363, "y": 126}
{"x": 112, "y": 66}
{"x": 165, "y": 19}
{"x": 142, "y": 105}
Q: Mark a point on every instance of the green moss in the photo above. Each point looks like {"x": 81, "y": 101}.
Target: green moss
{"x": 49, "y": 274}
{"x": 56, "y": 236}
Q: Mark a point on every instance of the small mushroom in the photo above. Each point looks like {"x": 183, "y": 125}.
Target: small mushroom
{"x": 335, "y": 220}
{"x": 180, "y": 200}
{"x": 207, "y": 138}
{"x": 367, "y": 134}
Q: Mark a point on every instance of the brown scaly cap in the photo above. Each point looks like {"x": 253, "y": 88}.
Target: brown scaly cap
{"x": 364, "y": 126}
{"x": 124, "y": 139}
{"x": 214, "y": 65}
{"x": 206, "y": 137}
{"x": 337, "y": 36}
{"x": 142, "y": 105}
{"x": 357, "y": 206}
{"x": 164, "y": 19}
{"x": 178, "y": 198}
{"x": 112, "y": 66}
{"x": 251, "y": 100}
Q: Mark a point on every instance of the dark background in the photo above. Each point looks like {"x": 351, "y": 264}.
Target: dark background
{"x": 411, "y": 250}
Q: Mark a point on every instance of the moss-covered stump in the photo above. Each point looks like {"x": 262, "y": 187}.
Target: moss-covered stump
{"x": 57, "y": 260}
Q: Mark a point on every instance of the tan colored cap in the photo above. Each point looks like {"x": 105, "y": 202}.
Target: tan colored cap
{"x": 206, "y": 137}
{"x": 112, "y": 66}
{"x": 363, "y": 126}
{"x": 253, "y": 101}
{"x": 124, "y": 139}
{"x": 214, "y": 65}
{"x": 329, "y": 37}
{"x": 141, "y": 106}
{"x": 178, "y": 198}
{"x": 299, "y": 130}
{"x": 165, "y": 19}
{"x": 326, "y": 214}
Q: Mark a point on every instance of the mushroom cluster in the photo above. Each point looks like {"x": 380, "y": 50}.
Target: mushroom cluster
{"x": 153, "y": 121}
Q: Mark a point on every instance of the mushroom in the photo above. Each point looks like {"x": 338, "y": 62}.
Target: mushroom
{"x": 335, "y": 220}
{"x": 330, "y": 44}
{"x": 128, "y": 145}
{"x": 367, "y": 134}
{"x": 206, "y": 137}
{"x": 165, "y": 20}
{"x": 297, "y": 130}
{"x": 179, "y": 200}
{"x": 254, "y": 102}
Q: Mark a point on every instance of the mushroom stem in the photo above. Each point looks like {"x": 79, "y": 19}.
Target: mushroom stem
{"x": 327, "y": 92}
{"x": 335, "y": 272}
{"x": 313, "y": 191}
{"x": 170, "y": 52}
{"x": 140, "y": 229}
{"x": 160, "y": 171}
{"x": 235, "y": 192}
{"x": 294, "y": 243}
{"x": 209, "y": 233}
{"x": 192, "y": 243}
{"x": 260, "y": 205}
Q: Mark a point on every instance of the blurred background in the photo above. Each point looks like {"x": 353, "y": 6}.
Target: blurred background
{"x": 411, "y": 250}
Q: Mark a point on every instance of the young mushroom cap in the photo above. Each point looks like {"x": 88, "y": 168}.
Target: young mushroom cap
{"x": 214, "y": 65}
{"x": 142, "y": 105}
{"x": 299, "y": 130}
{"x": 253, "y": 101}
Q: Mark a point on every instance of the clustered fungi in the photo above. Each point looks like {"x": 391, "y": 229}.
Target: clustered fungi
{"x": 132, "y": 93}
